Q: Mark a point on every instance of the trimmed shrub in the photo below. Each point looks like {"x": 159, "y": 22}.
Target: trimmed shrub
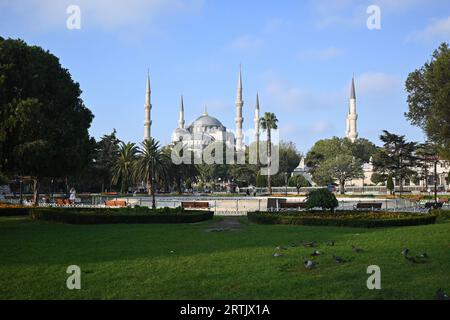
{"x": 321, "y": 198}
{"x": 14, "y": 211}
{"x": 441, "y": 214}
{"x": 115, "y": 216}
{"x": 343, "y": 219}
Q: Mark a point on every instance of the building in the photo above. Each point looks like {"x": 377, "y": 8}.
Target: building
{"x": 207, "y": 129}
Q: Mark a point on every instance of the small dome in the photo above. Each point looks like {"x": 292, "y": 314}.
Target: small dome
{"x": 179, "y": 134}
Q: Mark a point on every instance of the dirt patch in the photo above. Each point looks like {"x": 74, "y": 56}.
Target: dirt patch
{"x": 226, "y": 225}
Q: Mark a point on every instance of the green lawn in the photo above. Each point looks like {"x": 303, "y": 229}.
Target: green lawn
{"x": 135, "y": 261}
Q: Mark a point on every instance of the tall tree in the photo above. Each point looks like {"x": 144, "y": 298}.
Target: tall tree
{"x": 338, "y": 159}
{"x": 428, "y": 155}
{"x": 396, "y": 158}
{"x": 428, "y": 98}
{"x": 123, "y": 168}
{"x": 43, "y": 120}
{"x": 151, "y": 161}
{"x": 107, "y": 150}
{"x": 268, "y": 123}
{"x": 341, "y": 168}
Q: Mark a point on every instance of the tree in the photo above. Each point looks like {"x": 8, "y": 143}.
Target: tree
{"x": 260, "y": 181}
{"x": 107, "y": 150}
{"x": 298, "y": 182}
{"x": 43, "y": 120}
{"x": 341, "y": 168}
{"x": 123, "y": 169}
{"x": 428, "y": 153}
{"x": 151, "y": 161}
{"x": 268, "y": 123}
{"x": 428, "y": 98}
{"x": 396, "y": 158}
{"x": 390, "y": 184}
{"x": 337, "y": 159}
{"x": 321, "y": 198}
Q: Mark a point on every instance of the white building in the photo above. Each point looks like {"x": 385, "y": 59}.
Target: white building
{"x": 207, "y": 129}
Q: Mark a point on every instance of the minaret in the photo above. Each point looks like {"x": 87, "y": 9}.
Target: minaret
{"x": 256, "y": 120}
{"x": 352, "y": 117}
{"x": 239, "y": 119}
{"x": 148, "y": 109}
{"x": 181, "y": 117}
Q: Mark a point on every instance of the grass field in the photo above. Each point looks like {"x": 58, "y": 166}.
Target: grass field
{"x": 136, "y": 262}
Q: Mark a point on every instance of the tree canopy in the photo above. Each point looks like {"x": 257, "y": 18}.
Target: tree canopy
{"x": 43, "y": 120}
{"x": 429, "y": 96}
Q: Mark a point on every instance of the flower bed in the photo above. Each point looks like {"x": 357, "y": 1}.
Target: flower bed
{"x": 344, "y": 219}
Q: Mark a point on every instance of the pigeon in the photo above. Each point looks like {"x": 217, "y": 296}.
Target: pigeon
{"x": 411, "y": 259}
{"x": 356, "y": 249}
{"x": 277, "y": 255}
{"x": 338, "y": 259}
{"x": 309, "y": 244}
{"x": 405, "y": 252}
{"x": 316, "y": 253}
{"x": 280, "y": 248}
{"x": 441, "y": 295}
{"x": 309, "y": 264}
{"x": 422, "y": 256}
{"x": 331, "y": 243}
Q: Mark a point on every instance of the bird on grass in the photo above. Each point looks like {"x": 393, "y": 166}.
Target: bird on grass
{"x": 280, "y": 248}
{"x": 309, "y": 244}
{"x": 331, "y": 243}
{"x": 309, "y": 264}
{"x": 338, "y": 259}
{"x": 316, "y": 253}
{"x": 441, "y": 295}
{"x": 356, "y": 249}
{"x": 405, "y": 252}
{"x": 277, "y": 255}
{"x": 422, "y": 258}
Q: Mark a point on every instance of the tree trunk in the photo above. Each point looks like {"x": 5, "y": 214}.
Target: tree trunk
{"x": 435, "y": 184}
{"x": 342, "y": 186}
{"x": 36, "y": 191}
{"x": 269, "y": 160}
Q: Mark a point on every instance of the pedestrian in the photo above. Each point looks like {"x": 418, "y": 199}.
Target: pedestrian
{"x": 73, "y": 196}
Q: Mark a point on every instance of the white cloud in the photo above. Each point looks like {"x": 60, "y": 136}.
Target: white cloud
{"x": 378, "y": 83}
{"x": 99, "y": 13}
{"x": 438, "y": 29}
{"x": 246, "y": 43}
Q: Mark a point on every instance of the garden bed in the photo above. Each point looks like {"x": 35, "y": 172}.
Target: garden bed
{"x": 119, "y": 216}
{"x": 344, "y": 219}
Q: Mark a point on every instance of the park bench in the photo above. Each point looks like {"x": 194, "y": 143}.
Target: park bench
{"x": 195, "y": 205}
{"x": 369, "y": 205}
{"x": 115, "y": 203}
{"x": 292, "y": 205}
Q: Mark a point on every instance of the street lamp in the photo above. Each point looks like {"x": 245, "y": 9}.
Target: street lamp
{"x": 285, "y": 182}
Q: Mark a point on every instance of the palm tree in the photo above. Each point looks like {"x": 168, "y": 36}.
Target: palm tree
{"x": 152, "y": 162}
{"x": 123, "y": 166}
{"x": 269, "y": 122}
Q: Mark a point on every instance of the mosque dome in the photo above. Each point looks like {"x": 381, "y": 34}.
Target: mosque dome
{"x": 206, "y": 121}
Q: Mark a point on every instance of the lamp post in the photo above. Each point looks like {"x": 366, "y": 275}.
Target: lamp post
{"x": 286, "y": 182}
{"x": 20, "y": 186}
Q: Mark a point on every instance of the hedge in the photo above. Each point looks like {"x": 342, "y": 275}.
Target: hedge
{"x": 344, "y": 219}
{"x": 103, "y": 216}
{"x": 10, "y": 212}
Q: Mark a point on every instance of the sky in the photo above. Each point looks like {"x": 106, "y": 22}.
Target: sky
{"x": 299, "y": 56}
